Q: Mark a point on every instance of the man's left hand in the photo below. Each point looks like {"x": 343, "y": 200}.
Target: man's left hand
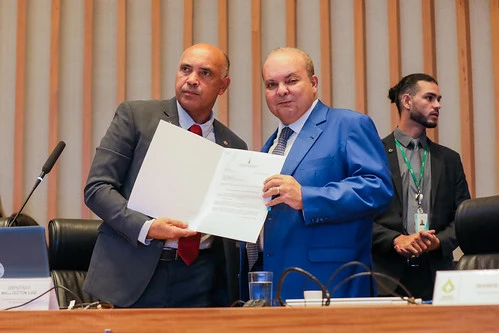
{"x": 432, "y": 238}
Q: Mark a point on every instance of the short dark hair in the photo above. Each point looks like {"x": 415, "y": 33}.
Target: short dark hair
{"x": 408, "y": 85}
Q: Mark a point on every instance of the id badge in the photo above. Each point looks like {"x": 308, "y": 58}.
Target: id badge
{"x": 421, "y": 220}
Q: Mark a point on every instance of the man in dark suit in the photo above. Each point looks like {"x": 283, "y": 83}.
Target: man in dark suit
{"x": 135, "y": 262}
{"x": 415, "y": 236}
{"x": 334, "y": 180}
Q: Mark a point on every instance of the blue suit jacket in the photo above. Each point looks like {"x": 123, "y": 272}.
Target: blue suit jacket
{"x": 339, "y": 160}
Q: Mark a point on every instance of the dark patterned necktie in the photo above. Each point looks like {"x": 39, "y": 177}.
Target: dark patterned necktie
{"x": 188, "y": 247}
{"x": 412, "y": 204}
{"x": 280, "y": 149}
{"x": 286, "y": 132}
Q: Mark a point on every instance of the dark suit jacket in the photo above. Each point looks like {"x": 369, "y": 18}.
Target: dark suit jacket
{"x": 121, "y": 267}
{"x": 339, "y": 162}
{"x": 448, "y": 189}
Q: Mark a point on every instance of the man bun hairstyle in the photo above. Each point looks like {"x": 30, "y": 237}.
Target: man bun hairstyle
{"x": 408, "y": 85}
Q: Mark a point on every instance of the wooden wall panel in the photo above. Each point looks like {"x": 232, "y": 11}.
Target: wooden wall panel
{"x": 291, "y": 23}
{"x": 326, "y": 80}
{"x": 429, "y": 49}
{"x": 360, "y": 56}
{"x": 120, "y": 51}
{"x": 155, "y": 49}
{"x": 279, "y": 31}
{"x": 54, "y": 103}
{"x": 256, "y": 86}
{"x": 86, "y": 149}
{"x": 19, "y": 133}
{"x": 188, "y": 23}
{"x": 466, "y": 92}
{"x": 394, "y": 54}
{"x": 223, "y": 43}
{"x": 494, "y": 19}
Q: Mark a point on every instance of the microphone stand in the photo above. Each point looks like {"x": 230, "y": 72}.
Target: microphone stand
{"x": 45, "y": 170}
{"x": 38, "y": 181}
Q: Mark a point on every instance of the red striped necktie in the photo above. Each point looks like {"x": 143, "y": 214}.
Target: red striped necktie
{"x": 188, "y": 247}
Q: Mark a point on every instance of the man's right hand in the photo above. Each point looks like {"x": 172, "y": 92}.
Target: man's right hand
{"x": 165, "y": 228}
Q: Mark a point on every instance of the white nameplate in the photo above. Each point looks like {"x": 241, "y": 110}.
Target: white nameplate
{"x": 14, "y": 292}
{"x": 309, "y": 301}
{"x": 467, "y": 287}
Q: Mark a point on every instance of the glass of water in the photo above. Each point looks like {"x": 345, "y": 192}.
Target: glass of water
{"x": 260, "y": 286}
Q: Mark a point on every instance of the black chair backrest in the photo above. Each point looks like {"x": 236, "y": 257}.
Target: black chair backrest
{"x": 477, "y": 230}
{"x": 477, "y": 225}
{"x": 71, "y": 242}
{"x": 4, "y": 221}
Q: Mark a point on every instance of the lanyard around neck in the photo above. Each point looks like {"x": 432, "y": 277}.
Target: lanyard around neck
{"x": 411, "y": 171}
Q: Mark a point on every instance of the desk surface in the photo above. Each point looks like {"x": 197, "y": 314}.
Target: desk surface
{"x": 387, "y": 318}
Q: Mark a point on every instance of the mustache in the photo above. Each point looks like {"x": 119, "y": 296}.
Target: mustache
{"x": 190, "y": 90}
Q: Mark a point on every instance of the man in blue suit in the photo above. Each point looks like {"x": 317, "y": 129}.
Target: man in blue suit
{"x": 334, "y": 180}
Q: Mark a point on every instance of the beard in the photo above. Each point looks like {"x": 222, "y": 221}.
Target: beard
{"x": 418, "y": 117}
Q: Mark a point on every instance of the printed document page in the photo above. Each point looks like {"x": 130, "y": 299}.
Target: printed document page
{"x": 215, "y": 190}
{"x": 234, "y": 206}
{"x": 175, "y": 175}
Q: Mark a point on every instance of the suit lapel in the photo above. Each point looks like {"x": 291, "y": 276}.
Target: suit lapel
{"x": 170, "y": 112}
{"x": 221, "y": 137}
{"x": 306, "y": 138}
{"x": 269, "y": 142}
{"x": 391, "y": 153}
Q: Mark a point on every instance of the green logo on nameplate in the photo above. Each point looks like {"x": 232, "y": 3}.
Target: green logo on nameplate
{"x": 448, "y": 287}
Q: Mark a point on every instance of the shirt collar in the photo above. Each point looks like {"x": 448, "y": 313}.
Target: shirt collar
{"x": 405, "y": 139}
{"x": 298, "y": 125}
{"x": 186, "y": 121}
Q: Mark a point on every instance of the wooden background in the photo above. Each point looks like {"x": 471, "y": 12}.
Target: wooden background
{"x": 66, "y": 64}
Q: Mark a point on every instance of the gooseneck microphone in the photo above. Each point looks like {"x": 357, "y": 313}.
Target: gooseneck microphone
{"x": 45, "y": 170}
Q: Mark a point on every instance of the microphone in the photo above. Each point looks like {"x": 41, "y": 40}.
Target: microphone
{"x": 45, "y": 170}
{"x": 52, "y": 159}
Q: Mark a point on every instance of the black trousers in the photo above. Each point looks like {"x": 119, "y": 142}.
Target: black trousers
{"x": 418, "y": 280}
{"x": 176, "y": 285}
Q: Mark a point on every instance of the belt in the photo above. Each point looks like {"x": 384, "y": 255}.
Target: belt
{"x": 172, "y": 254}
{"x": 416, "y": 262}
